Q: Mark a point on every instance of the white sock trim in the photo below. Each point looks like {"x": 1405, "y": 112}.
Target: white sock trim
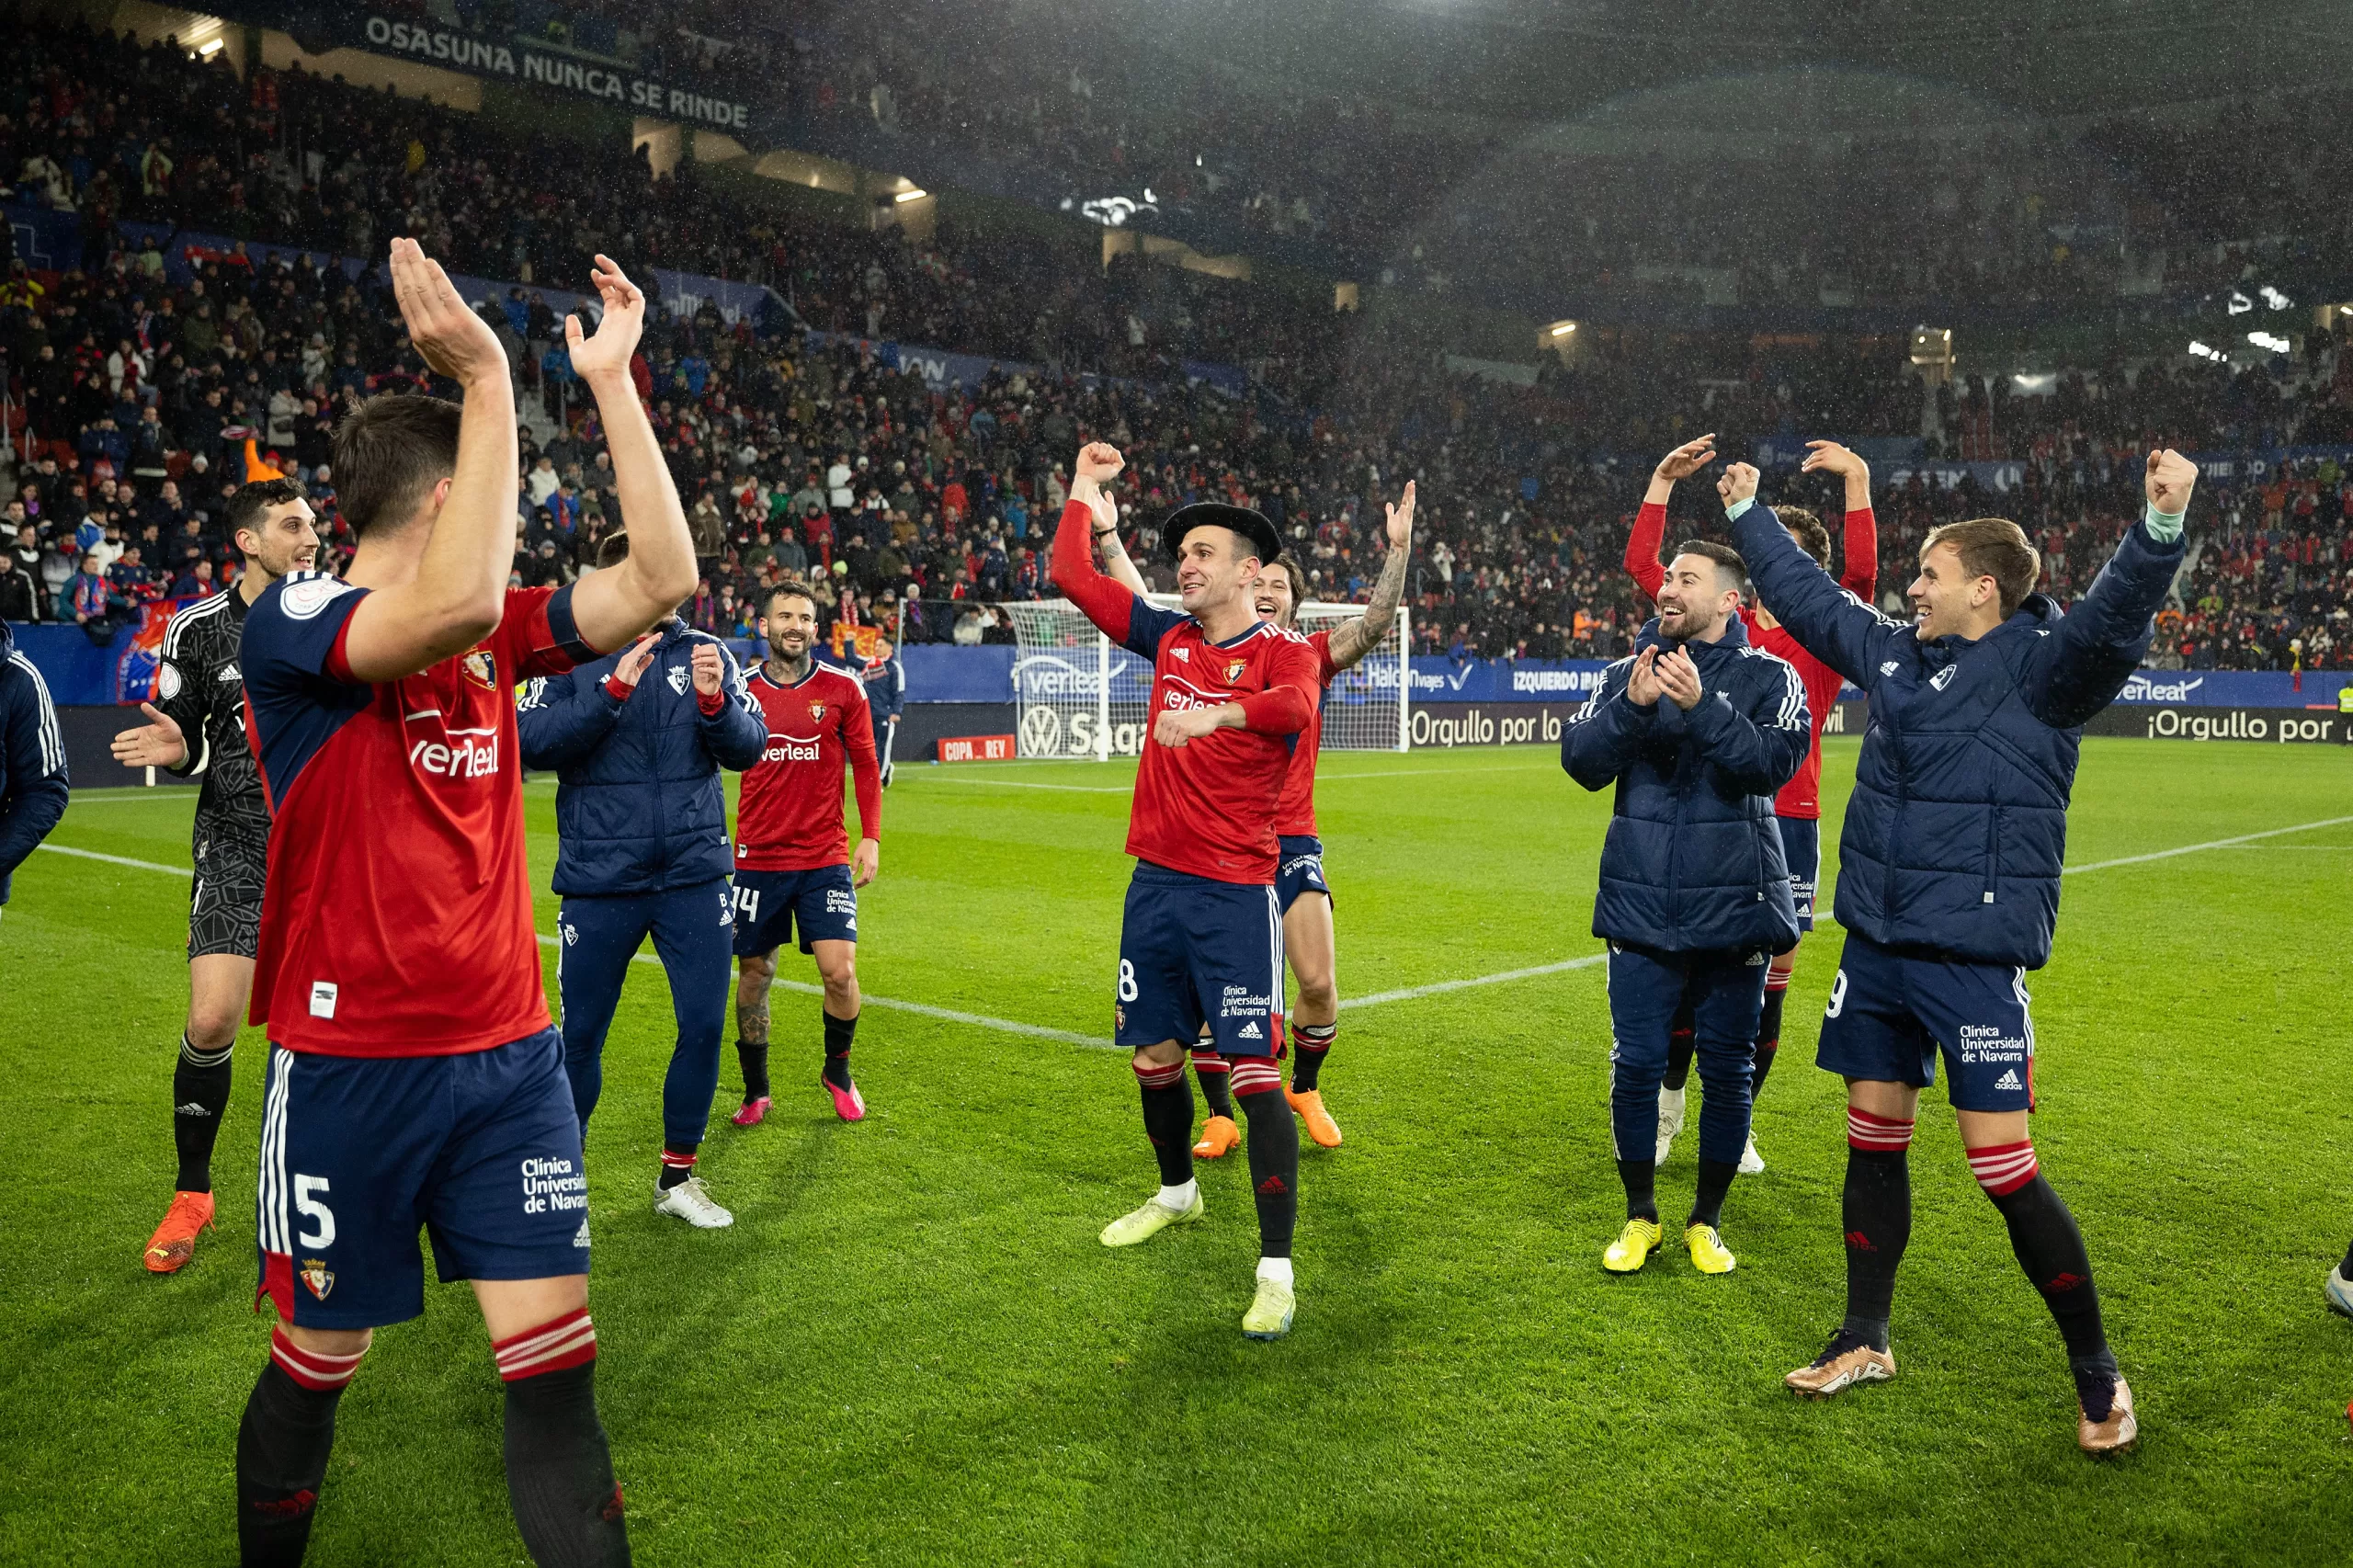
{"x": 1277, "y": 1269}
{"x": 1180, "y": 1198}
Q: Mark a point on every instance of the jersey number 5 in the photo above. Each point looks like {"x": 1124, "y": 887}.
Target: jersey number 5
{"x": 316, "y": 1212}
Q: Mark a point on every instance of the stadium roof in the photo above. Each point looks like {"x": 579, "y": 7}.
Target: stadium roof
{"x": 1542, "y": 60}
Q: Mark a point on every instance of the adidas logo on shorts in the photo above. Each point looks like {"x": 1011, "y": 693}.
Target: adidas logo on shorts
{"x": 1250, "y": 1031}
{"x": 2009, "y": 1080}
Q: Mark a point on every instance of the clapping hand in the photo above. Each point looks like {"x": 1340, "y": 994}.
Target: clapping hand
{"x": 1678, "y": 676}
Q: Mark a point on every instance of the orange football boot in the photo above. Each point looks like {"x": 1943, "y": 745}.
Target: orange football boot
{"x": 1320, "y": 1125}
{"x": 173, "y": 1242}
{"x": 1219, "y": 1136}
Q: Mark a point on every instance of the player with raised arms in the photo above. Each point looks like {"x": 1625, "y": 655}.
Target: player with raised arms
{"x": 1949, "y": 867}
{"x": 1797, "y": 810}
{"x": 1201, "y": 937}
{"x": 413, "y": 1076}
{"x": 200, "y": 693}
{"x": 1300, "y": 885}
{"x": 794, "y": 867}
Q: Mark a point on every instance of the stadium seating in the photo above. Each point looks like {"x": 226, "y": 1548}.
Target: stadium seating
{"x": 1526, "y": 489}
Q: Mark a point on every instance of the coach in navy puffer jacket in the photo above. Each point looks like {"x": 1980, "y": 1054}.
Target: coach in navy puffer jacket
{"x": 1693, "y": 861}
{"x": 640, "y": 808}
{"x": 1957, "y": 830}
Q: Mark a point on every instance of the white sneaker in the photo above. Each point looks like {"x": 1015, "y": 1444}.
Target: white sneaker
{"x": 1751, "y": 1161}
{"x": 689, "y": 1202}
{"x": 1670, "y": 1121}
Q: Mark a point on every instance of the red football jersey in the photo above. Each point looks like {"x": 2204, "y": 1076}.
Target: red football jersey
{"x": 1206, "y": 808}
{"x": 396, "y": 915}
{"x": 1802, "y": 796}
{"x": 788, "y": 817}
{"x": 1295, "y": 812}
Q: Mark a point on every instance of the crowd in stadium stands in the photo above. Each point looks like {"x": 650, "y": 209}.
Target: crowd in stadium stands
{"x": 2004, "y": 213}
{"x": 137, "y": 401}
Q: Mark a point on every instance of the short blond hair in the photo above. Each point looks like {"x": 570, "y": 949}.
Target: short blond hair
{"x": 1995, "y": 548}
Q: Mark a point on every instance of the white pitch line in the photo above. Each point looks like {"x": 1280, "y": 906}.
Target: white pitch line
{"x": 133, "y": 796}
{"x": 116, "y": 861}
{"x": 1025, "y": 784}
{"x": 2215, "y": 844}
{"x": 1411, "y": 991}
{"x": 1008, "y": 1026}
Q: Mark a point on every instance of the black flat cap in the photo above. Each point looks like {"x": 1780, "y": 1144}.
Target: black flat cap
{"x": 1250, "y": 525}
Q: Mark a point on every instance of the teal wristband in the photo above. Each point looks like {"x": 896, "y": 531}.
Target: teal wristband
{"x": 1733, "y": 512}
{"x": 2163, "y": 527}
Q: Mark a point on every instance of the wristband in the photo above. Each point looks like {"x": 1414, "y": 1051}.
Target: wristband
{"x": 618, "y": 688}
{"x": 1106, "y": 534}
{"x": 2163, "y": 527}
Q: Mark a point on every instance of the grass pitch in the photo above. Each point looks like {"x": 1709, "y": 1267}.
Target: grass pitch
{"x": 910, "y": 1349}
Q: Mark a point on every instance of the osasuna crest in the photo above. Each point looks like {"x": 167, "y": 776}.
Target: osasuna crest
{"x": 816, "y": 711}
{"x": 479, "y": 668}
{"x": 318, "y": 1276}
{"x": 679, "y": 678}
{"x": 1234, "y": 670}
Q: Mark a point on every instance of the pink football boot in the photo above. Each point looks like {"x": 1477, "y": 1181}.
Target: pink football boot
{"x": 848, "y": 1104}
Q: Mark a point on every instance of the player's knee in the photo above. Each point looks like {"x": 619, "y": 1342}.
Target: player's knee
{"x": 1158, "y": 1067}
{"x": 1318, "y": 995}
{"x": 1875, "y": 1134}
{"x": 321, "y": 1361}
{"x": 2004, "y": 1168}
{"x": 564, "y": 1341}
{"x": 211, "y": 1030}
{"x": 1254, "y": 1075}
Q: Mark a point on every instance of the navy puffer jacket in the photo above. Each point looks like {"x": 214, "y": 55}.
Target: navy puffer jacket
{"x": 1957, "y": 830}
{"x": 639, "y": 806}
{"x": 1693, "y": 861}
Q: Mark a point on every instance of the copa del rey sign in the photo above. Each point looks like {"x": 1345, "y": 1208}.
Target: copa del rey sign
{"x": 514, "y": 60}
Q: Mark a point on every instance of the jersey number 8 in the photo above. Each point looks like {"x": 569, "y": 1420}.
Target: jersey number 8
{"x": 1127, "y": 981}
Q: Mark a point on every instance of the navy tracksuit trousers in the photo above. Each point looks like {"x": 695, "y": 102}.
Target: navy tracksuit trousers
{"x": 693, "y": 930}
{"x": 1726, "y": 995}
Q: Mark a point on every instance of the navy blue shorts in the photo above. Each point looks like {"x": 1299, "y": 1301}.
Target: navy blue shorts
{"x": 822, "y": 902}
{"x": 480, "y": 1149}
{"x": 1195, "y": 951}
{"x": 1802, "y": 847}
{"x": 1892, "y": 1011}
{"x": 1299, "y": 870}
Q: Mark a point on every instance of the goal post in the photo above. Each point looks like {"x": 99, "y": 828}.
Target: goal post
{"x": 1080, "y": 694}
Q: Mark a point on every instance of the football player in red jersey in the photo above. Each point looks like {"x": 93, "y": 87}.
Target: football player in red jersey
{"x": 413, "y": 1076}
{"x": 793, "y": 863}
{"x": 1200, "y": 941}
{"x": 1299, "y": 886}
{"x": 1798, "y": 807}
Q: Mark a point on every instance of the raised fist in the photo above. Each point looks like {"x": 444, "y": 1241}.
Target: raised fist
{"x": 2169, "y": 480}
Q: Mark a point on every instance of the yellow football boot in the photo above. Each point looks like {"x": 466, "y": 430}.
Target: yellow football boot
{"x": 1148, "y": 1221}
{"x": 1709, "y": 1253}
{"x": 1633, "y": 1247}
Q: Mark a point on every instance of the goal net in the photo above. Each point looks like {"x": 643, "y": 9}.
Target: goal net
{"x": 1082, "y": 695}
